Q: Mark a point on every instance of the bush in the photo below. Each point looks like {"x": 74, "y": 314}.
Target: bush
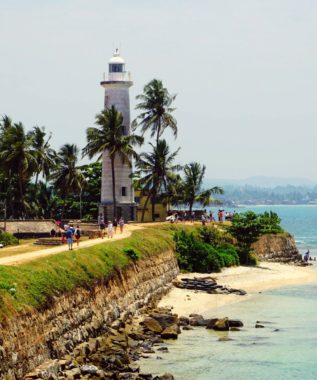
{"x": 8, "y": 239}
{"x": 196, "y": 256}
{"x": 132, "y": 253}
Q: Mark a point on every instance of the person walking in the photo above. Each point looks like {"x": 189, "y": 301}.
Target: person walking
{"x": 115, "y": 225}
{"x": 121, "y": 224}
{"x": 77, "y": 235}
{"x": 110, "y": 229}
{"x": 69, "y": 237}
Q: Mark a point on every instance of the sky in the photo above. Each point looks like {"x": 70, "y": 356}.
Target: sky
{"x": 244, "y": 71}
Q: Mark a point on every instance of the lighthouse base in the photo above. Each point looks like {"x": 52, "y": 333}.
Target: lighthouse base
{"x": 127, "y": 211}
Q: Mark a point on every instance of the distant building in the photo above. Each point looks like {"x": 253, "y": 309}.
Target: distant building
{"x": 116, "y": 87}
{"x": 161, "y": 209}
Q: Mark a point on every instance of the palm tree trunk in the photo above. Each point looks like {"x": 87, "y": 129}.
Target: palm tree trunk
{"x": 153, "y": 206}
{"x": 158, "y": 132}
{"x": 63, "y": 209}
{"x": 113, "y": 188}
{"x": 144, "y": 207}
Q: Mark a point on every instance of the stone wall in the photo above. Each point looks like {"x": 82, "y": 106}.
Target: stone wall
{"x": 28, "y": 340}
{"x": 278, "y": 248}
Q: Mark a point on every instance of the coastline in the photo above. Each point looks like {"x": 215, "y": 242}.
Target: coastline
{"x": 253, "y": 280}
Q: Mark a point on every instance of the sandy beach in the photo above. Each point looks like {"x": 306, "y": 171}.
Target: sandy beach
{"x": 251, "y": 279}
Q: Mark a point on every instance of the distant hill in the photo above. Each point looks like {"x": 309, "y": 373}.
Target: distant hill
{"x": 262, "y": 182}
{"x": 266, "y": 190}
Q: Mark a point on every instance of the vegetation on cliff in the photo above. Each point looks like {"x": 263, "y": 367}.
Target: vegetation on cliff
{"x": 247, "y": 227}
{"x": 205, "y": 249}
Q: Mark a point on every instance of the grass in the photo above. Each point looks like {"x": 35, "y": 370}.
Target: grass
{"x": 33, "y": 285}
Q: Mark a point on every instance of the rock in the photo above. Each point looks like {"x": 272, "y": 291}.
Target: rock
{"x": 195, "y": 316}
{"x": 198, "y": 321}
{"x": 152, "y": 325}
{"x": 211, "y": 323}
{"x": 258, "y": 326}
{"x": 235, "y": 329}
{"x": 167, "y": 376}
{"x": 235, "y": 323}
{"x": 145, "y": 376}
{"x": 73, "y": 374}
{"x": 224, "y": 339}
{"x": 183, "y": 321}
{"x": 165, "y": 320}
{"x": 164, "y": 349}
{"x": 222, "y": 324}
{"x": 89, "y": 369}
{"x": 187, "y": 328}
{"x": 170, "y": 332}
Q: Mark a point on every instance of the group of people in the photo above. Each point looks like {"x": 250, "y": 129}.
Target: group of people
{"x": 222, "y": 215}
{"x": 308, "y": 257}
{"x": 70, "y": 234}
{"x": 111, "y": 227}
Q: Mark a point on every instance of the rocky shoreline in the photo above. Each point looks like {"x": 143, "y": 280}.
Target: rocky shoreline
{"x": 115, "y": 354}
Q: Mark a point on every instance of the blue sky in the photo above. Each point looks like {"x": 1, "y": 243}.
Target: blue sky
{"x": 245, "y": 73}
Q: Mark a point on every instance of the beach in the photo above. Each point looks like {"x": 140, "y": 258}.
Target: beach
{"x": 253, "y": 280}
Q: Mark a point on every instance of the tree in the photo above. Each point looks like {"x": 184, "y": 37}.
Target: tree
{"x": 46, "y": 156}
{"x": 156, "y": 106}
{"x": 109, "y": 136}
{"x": 155, "y": 170}
{"x": 17, "y": 156}
{"x": 193, "y": 180}
{"x": 67, "y": 177}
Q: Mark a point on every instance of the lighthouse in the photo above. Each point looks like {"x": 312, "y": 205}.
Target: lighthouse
{"x": 116, "y": 86}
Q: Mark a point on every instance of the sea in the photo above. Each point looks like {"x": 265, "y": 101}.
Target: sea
{"x": 286, "y": 348}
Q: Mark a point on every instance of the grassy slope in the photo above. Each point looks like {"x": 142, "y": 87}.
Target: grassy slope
{"x": 38, "y": 281}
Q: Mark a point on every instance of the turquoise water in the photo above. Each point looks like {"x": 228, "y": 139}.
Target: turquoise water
{"x": 285, "y": 349}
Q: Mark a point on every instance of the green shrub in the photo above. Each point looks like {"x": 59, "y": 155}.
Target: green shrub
{"x": 8, "y": 239}
{"x": 132, "y": 253}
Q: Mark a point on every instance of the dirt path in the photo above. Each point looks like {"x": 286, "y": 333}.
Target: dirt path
{"x": 25, "y": 257}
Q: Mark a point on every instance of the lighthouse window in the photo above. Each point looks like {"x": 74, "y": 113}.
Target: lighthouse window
{"x": 123, "y": 191}
{"x": 116, "y": 68}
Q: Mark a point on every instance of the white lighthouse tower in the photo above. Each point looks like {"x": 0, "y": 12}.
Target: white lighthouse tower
{"x": 117, "y": 94}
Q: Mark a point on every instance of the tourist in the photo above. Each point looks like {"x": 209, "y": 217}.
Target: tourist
{"x": 115, "y": 225}
{"x": 203, "y": 220}
{"x": 102, "y": 227}
{"x": 110, "y": 229}
{"x": 77, "y": 235}
{"x": 306, "y": 256}
{"x": 121, "y": 224}
{"x": 192, "y": 217}
{"x": 69, "y": 237}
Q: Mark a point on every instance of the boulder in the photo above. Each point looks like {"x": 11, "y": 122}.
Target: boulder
{"x": 258, "y": 326}
{"x": 153, "y": 325}
{"x": 198, "y": 320}
{"x": 211, "y": 323}
{"x": 183, "y": 321}
{"x": 235, "y": 323}
{"x": 170, "y": 332}
{"x": 89, "y": 370}
{"x": 222, "y": 324}
{"x": 165, "y": 320}
{"x": 167, "y": 376}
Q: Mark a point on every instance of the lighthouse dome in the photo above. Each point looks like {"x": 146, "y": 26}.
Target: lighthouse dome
{"x": 116, "y": 59}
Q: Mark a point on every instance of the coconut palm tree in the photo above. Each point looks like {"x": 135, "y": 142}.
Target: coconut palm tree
{"x": 155, "y": 169}
{"x": 67, "y": 177}
{"x": 193, "y": 181}
{"x": 18, "y": 158}
{"x": 109, "y": 136}
{"x": 156, "y": 106}
{"x": 47, "y": 156}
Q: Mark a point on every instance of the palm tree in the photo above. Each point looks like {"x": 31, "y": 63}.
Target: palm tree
{"x": 194, "y": 175}
{"x": 155, "y": 170}
{"x": 155, "y": 104}
{"x": 17, "y": 155}
{"x": 67, "y": 177}
{"x": 46, "y": 159}
{"x": 109, "y": 136}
